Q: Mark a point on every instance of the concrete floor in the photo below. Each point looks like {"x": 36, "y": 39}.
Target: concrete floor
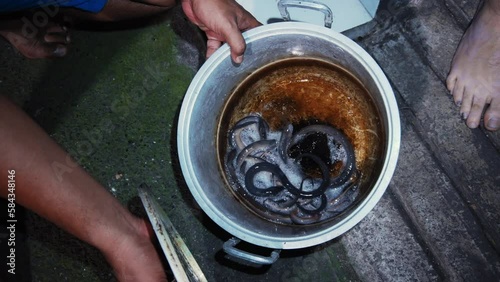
{"x": 438, "y": 220}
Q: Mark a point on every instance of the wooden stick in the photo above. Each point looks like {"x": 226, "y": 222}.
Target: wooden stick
{"x": 168, "y": 234}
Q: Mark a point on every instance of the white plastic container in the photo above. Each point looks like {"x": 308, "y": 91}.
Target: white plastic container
{"x": 346, "y": 14}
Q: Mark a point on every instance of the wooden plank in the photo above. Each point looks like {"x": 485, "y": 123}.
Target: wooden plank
{"x": 468, "y": 158}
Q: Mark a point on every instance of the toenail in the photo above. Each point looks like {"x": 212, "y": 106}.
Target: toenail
{"x": 465, "y": 115}
{"x": 60, "y": 51}
{"x": 473, "y": 124}
{"x": 458, "y": 103}
{"x": 494, "y": 123}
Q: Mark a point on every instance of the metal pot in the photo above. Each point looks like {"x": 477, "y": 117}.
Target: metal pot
{"x": 199, "y": 119}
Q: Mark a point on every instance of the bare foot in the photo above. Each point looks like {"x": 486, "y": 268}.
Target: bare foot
{"x": 474, "y": 79}
{"x": 135, "y": 258}
{"x": 46, "y": 41}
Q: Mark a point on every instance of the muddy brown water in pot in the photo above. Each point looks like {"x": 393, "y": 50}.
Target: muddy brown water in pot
{"x": 304, "y": 92}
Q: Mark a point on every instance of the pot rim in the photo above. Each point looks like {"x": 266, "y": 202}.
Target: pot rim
{"x": 393, "y": 135}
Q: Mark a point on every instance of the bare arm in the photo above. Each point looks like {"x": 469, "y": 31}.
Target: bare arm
{"x": 75, "y": 202}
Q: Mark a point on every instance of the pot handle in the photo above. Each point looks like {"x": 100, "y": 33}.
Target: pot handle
{"x": 313, "y": 5}
{"x": 229, "y": 248}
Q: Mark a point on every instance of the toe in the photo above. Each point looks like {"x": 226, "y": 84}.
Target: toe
{"x": 465, "y": 103}
{"x": 56, "y": 28}
{"x": 62, "y": 38}
{"x": 458, "y": 93}
{"x": 476, "y": 110}
{"x": 450, "y": 82}
{"x": 59, "y": 50}
{"x": 492, "y": 115}
{"x": 49, "y": 50}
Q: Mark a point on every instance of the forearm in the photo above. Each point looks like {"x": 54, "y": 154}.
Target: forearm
{"x": 74, "y": 201}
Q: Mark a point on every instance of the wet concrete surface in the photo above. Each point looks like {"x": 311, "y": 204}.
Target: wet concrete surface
{"x": 438, "y": 220}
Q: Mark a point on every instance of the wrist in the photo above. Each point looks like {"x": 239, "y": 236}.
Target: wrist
{"x": 134, "y": 257}
{"x": 122, "y": 229}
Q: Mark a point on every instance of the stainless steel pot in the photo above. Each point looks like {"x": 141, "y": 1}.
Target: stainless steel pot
{"x": 199, "y": 117}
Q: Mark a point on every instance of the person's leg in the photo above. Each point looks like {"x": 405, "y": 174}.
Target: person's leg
{"x": 474, "y": 79}
{"x": 123, "y": 10}
{"x": 48, "y": 182}
{"x": 49, "y": 38}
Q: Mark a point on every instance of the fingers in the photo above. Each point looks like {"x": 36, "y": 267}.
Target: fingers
{"x": 212, "y": 46}
{"x": 232, "y": 34}
{"x": 237, "y": 44}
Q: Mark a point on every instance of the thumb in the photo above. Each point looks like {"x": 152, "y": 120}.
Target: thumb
{"x": 234, "y": 36}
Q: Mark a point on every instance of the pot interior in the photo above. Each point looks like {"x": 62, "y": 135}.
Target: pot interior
{"x": 292, "y": 96}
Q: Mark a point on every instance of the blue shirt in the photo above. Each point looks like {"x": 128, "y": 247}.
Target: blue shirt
{"x": 93, "y": 6}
